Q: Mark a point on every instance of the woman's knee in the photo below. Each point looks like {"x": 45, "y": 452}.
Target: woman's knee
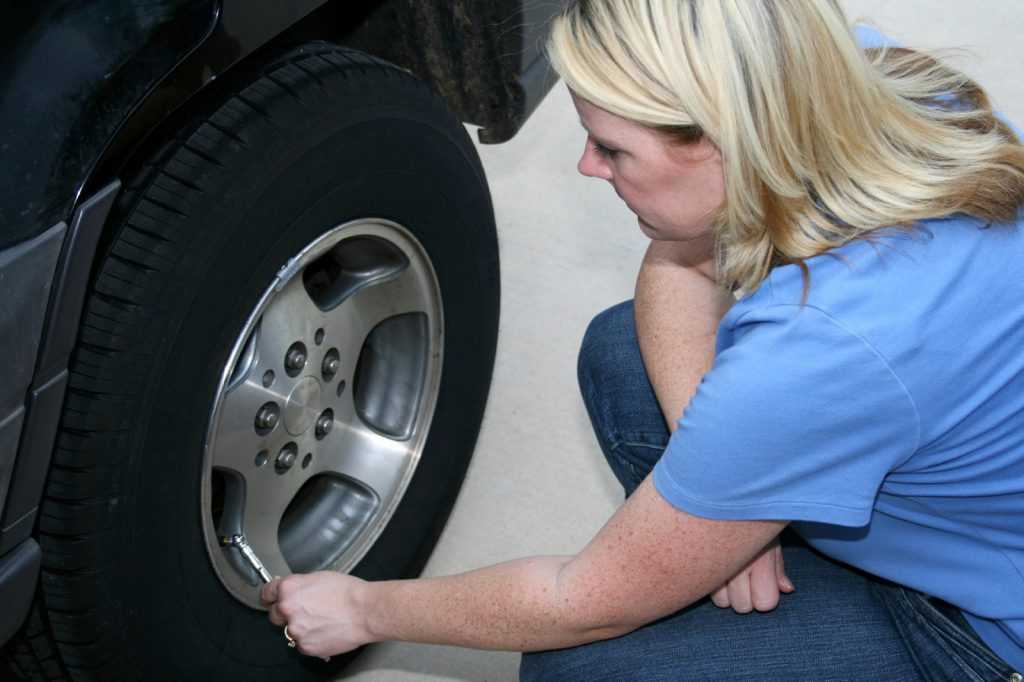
{"x": 609, "y": 344}
{"x": 613, "y": 379}
{"x": 618, "y": 396}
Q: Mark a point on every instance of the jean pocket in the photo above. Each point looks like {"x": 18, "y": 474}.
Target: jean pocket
{"x": 950, "y": 631}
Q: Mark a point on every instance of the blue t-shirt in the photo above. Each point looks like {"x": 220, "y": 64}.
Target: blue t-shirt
{"x": 885, "y": 417}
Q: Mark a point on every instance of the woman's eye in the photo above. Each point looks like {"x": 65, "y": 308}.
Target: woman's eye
{"x": 604, "y": 151}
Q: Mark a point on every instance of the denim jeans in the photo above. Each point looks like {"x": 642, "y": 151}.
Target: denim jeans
{"x": 839, "y": 624}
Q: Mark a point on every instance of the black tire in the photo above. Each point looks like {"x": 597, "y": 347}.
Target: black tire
{"x": 325, "y": 135}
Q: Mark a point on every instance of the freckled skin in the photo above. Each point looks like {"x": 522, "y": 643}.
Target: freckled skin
{"x": 650, "y": 559}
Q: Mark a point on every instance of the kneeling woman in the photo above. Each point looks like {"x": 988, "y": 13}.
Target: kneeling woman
{"x": 831, "y": 308}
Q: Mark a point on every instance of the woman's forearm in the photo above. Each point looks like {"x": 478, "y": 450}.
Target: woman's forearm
{"x": 515, "y": 606}
{"x": 678, "y": 307}
{"x": 648, "y": 561}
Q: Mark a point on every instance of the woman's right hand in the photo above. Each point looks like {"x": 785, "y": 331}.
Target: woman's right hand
{"x": 325, "y": 611}
{"x": 758, "y": 585}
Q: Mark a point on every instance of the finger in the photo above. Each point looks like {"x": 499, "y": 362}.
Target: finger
{"x": 785, "y": 584}
{"x": 307, "y": 650}
{"x": 764, "y": 586}
{"x": 720, "y": 597}
{"x": 739, "y": 594}
{"x": 276, "y": 617}
{"x": 268, "y": 593}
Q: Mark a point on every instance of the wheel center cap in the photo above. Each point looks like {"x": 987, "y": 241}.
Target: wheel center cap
{"x": 301, "y": 409}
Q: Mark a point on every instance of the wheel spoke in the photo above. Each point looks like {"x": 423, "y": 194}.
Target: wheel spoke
{"x": 267, "y": 495}
{"x": 356, "y": 318}
{"x": 376, "y": 461}
{"x": 263, "y": 540}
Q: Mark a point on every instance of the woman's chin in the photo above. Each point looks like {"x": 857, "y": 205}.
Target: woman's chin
{"x": 646, "y": 228}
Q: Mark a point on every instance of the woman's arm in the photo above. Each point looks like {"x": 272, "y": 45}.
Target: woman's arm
{"x": 648, "y": 561}
{"x": 678, "y": 307}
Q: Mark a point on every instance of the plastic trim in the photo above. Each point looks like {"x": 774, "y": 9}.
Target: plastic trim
{"x": 19, "y": 573}
{"x": 46, "y": 396}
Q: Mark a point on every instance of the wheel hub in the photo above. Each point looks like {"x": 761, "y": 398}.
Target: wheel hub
{"x": 302, "y": 406}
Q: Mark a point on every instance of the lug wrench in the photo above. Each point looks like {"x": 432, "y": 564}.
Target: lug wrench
{"x": 239, "y": 543}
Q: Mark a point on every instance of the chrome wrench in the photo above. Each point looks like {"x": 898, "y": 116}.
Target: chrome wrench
{"x": 239, "y": 543}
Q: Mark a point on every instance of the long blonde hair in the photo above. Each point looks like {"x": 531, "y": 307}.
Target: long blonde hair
{"x": 821, "y": 142}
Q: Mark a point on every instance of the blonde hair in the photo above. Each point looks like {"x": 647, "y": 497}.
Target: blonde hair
{"x": 821, "y": 142}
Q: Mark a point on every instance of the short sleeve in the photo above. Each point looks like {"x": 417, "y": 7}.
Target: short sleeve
{"x": 868, "y": 37}
{"x": 799, "y": 419}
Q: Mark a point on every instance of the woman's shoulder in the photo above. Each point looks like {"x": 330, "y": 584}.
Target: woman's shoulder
{"x": 902, "y": 270}
{"x": 930, "y": 305}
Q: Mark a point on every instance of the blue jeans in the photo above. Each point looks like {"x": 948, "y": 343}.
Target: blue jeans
{"x": 839, "y": 624}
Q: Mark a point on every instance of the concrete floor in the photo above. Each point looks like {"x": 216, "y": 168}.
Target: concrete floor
{"x": 538, "y": 484}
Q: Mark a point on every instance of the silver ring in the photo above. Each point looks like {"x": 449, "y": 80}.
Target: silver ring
{"x": 287, "y": 635}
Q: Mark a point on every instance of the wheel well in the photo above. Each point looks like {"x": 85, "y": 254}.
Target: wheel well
{"x": 471, "y": 53}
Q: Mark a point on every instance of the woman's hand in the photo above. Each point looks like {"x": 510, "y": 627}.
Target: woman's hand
{"x": 324, "y": 611}
{"x": 758, "y": 585}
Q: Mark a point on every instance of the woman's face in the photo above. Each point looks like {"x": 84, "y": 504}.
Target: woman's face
{"x": 674, "y": 189}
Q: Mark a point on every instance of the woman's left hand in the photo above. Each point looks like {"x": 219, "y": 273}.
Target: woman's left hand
{"x": 324, "y": 611}
{"x": 757, "y": 586}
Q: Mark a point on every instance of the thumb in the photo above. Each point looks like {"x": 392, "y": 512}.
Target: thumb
{"x": 268, "y": 593}
{"x": 785, "y": 584}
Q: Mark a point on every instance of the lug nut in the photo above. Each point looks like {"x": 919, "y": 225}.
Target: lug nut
{"x": 266, "y": 418}
{"x": 331, "y": 366}
{"x": 286, "y": 458}
{"x": 295, "y": 360}
{"x": 324, "y": 423}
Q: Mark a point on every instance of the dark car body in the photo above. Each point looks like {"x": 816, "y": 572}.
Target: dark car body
{"x": 90, "y": 88}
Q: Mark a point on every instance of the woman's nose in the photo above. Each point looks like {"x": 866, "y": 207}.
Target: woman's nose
{"x": 593, "y": 165}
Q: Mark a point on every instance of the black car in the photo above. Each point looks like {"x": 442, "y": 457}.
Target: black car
{"x": 249, "y": 284}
